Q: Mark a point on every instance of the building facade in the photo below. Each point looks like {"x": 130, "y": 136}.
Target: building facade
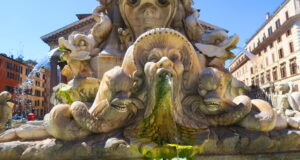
{"x": 34, "y": 94}
{"x": 277, "y": 48}
{"x": 12, "y": 73}
{"x": 28, "y": 96}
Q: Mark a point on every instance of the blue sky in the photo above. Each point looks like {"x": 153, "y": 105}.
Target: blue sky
{"x": 22, "y": 23}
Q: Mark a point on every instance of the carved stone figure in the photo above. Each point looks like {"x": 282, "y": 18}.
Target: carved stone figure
{"x": 287, "y": 103}
{"x": 78, "y": 50}
{"x": 125, "y": 38}
{"x": 102, "y": 28}
{"x": 5, "y": 110}
{"x": 79, "y": 89}
{"x": 219, "y": 89}
{"x": 286, "y": 97}
{"x": 195, "y": 30}
{"x": 113, "y": 108}
{"x": 294, "y": 101}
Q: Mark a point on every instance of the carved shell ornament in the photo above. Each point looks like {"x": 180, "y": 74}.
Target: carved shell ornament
{"x": 162, "y": 37}
{"x": 138, "y": 54}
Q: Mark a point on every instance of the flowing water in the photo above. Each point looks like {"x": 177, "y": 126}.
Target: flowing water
{"x": 43, "y": 63}
{"x": 170, "y": 82}
{"x": 253, "y": 58}
{"x": 24, "y": 89}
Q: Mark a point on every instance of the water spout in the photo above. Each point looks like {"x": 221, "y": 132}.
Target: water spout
{"x": 45, "y": 61}
{"x": 253, "y": 58}
{"x": 170, "y": 82}
{"x": 168, "y": 77}
{"x": 24, "y": 90}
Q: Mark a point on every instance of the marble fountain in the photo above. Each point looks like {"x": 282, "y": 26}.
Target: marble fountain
{"x": 171, "y": 98}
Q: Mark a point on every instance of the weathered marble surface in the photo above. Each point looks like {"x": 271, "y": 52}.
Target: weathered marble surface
{"x": 171, "y": 89}
{"x": 90, "y": 148}
{"x": 5, "y": 110}
{"x": 276, "y": 156}
{"x": 275, "y": 145}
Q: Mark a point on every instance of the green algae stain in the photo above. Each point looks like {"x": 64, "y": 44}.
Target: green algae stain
{"x": 158, "y": 137}
{"x": 170, "y": 151}
{"x": 65, "y": 94}
{"x": 160, "y": 126}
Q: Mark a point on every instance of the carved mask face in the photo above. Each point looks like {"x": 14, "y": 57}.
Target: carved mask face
{"x": 162, "y": 61}
{"x": 143, "y": 15}
{"x": 213, "y": 87}
{"x": 163, "y": 55}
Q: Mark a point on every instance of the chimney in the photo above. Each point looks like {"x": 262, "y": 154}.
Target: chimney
{"x": 268, "y": 16}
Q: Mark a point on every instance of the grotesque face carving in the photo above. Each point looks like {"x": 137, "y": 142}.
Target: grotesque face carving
{"x": 164, "y": 54}
{"x": 214, "y": 87}
{"x": 166, "y": 67}
{"x": 164, "y": 61}
{"x": 143, "y": 15}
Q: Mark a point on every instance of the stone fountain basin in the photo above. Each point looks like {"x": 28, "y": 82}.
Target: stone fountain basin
{"x": 223, "y": 143}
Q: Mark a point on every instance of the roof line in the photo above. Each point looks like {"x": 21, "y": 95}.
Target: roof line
{"x": 236, "y": 58}
{"x": 66, "y": 27}
{"x": 267, "y": 21}
{"x": 1, "y": 55}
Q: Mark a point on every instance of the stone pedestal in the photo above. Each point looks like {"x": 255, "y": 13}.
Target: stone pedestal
{"x": 102, "y": 63}
{"x": 222, "y": 144}
{"x": 273, "y": 156}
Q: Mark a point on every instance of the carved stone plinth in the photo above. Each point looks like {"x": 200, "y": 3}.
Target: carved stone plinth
{"x": 101, "y": 64}
{"x": 224, "y": 143}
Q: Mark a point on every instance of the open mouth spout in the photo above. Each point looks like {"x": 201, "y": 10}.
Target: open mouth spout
{"x": 160, "y": 124}
{"x": 165, "y": 73}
